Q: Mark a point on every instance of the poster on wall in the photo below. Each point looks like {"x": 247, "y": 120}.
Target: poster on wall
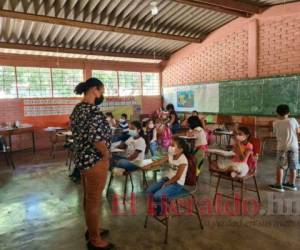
{"x": 185, "y": 99}
{"x": 200, "y": 97}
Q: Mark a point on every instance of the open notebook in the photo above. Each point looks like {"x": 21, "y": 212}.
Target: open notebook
{"x": 221, "y": 152}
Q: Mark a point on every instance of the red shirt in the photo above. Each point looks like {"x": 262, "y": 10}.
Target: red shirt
{"x": 244, "y": 148}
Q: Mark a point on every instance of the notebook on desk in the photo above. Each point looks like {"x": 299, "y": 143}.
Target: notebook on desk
{"x": 221, "y": 152}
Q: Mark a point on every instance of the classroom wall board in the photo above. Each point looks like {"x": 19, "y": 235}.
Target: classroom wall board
{"x": 204, "y": 98}
{"x": 242, "y": 97}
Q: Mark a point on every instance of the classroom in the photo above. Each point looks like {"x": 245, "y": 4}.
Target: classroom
{"x": 149, "y": 124}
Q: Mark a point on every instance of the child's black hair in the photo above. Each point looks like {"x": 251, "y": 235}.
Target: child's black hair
{"x": 283, "y": 109}
{"x": 182, "y": 144}
{"x": 170, "y": 106}
{"x": 245, "y": 131}
{"x": 109, "y": 114}
{"x": 194, "y": 122}
{"x": 195, "y": 111}
{"x": 124, "y": 115}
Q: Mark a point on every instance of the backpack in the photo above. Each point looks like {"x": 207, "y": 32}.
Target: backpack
{"x": 195, "y": 161}
{"x": 166, "y": 138}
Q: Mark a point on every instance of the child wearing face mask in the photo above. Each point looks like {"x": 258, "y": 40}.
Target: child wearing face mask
{"x": 152, "y": 137}
{"x": 110, "y": 118}
{"x": 135, "y": 148}
{"x": 238, "y": 166}
{"x": 123, "y": 125}
{"x": 172, "y": 184}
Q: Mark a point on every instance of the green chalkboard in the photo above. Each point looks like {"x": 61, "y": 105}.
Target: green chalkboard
{"x": 259, "y": 96}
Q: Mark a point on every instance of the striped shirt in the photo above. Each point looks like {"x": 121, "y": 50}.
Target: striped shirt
{"x": 124, "y": 126}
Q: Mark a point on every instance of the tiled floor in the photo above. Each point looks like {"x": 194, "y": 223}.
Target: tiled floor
{"x": 41, "y": 209}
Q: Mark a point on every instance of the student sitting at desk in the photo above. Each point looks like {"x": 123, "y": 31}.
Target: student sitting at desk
{"x": 196, "y": 130}
{"x": 173, "y": 183}
{"x": 173, "y": 118}
{"x": 110, "y": 118}
{"x": 238, "y": 165}
{"x": 135, "y": 150}
{"x": 152, "y": 137}
{"x": 196, "y": 114}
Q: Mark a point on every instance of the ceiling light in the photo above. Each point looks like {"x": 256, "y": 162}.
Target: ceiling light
{"x": 154, "y": 9}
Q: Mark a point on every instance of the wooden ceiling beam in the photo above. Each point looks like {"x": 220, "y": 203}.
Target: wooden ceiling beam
{"x": 29, "y": 47}
{"x": 230, "y": 7}
{"x": 93, "y": 26}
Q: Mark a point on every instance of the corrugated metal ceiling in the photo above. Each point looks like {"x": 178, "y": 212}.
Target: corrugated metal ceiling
{"x": 174, "y": 18}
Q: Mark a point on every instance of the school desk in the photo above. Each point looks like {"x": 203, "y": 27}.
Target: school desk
{"x": 9, "y": 132}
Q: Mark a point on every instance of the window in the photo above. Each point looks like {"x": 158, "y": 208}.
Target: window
{"x": 65, "y": 80}
{"x": 109, "y": 79}
{"x": 151, "y": 84}
{"x": 130, "y": 83}
{"x": 7, "y": 82}
{"x": 34, "y": 82}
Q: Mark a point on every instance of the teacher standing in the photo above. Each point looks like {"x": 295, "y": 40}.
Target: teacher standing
{"x": 91, "y": 133}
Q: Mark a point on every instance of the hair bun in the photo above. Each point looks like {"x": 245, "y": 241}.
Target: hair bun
{"x": 80, "y": 88}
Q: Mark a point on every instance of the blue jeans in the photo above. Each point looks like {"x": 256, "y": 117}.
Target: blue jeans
{"x": 122, "y": 162}
{"x": 175, "y": 127}
{"x": 153, "y": 148}
{"x": 124, "y": 137}
{"x": 167, "y": 192}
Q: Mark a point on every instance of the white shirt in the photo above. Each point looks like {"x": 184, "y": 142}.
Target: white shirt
{"x": 174, "y": 167}
{"x": 286, "y": 134}
{"x": 136, "y": 144}
{"x": 201, "y": 137}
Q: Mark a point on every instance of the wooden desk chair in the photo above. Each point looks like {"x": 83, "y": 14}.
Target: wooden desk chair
{"x": 128, "y": 174}
{"x": 213, "y": 168}
{"x": 70, "y": 155}
{"x": 269, "y": 137}
{"x": 5, "y": 150}
{"x": 57, "y": 139}
{"x": 187, "y": 192}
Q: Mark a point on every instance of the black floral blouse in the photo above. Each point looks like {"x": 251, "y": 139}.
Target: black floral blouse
{"x": 88, "y": 125}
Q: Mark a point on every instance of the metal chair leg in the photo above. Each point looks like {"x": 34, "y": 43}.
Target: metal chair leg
{"x": 132, "y": 186}
{"x": 146, "y": 222}
{"x": 109, "y": 183}
{"x": 257, "y": 190}
{"x": 68, "y": 157}
{"x": 197, "y": 212}
{"x": 167, "y": 229}
{"x": 145, "y": 179}
{"x": 125, "y": 188}
{"x": 70, "y": 160}
{"x": 11, "y": 160}
{"x": 6, "y": 159}
{"x": 217, "y": 188}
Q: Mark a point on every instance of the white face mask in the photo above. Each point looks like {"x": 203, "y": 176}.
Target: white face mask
{"x": 108, "y": 119}
{"x": 122, "y": 120}
{"x": 133, "y": 132}
{"x": 171, "y": 150}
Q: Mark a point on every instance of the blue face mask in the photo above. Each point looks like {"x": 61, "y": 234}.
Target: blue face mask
{"x": 133, "y": 132}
